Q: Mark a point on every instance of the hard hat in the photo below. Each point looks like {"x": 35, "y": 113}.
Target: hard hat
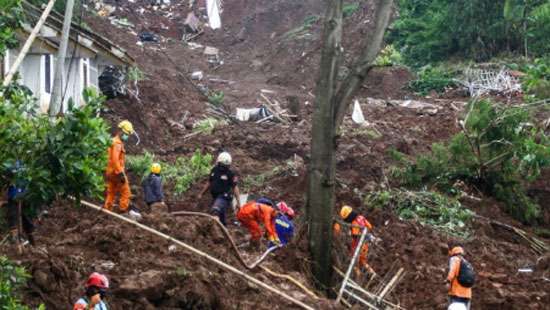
{"x": 345, "y": 211}
{"x": 155, "y": 168}
{"x": 224, "y": 158}
{"x": 126, "y": 127}
{"x": 457, "y": 250}
{"x": 98, "y": 280}
{"x": 285, "y": 209}
{"x": 457, "y": 306}
{"x": 265, "y": 201}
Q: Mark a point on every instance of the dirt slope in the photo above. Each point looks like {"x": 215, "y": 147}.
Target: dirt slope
{"x": 259, "y": 55}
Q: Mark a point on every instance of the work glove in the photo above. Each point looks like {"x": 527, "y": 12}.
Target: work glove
{"x": 274, "y": 240}
{"x": 121, "y": 177}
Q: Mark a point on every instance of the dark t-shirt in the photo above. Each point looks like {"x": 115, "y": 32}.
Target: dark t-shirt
{"x": 222, "y": 182}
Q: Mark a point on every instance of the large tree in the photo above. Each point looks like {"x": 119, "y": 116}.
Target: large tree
{"x": 331, "y": 103}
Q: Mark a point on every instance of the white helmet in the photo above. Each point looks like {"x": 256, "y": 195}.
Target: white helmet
{"x": 457, "y": 306}
{"x": 224, "y": 158}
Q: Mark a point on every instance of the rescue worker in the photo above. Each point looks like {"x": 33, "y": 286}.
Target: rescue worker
{"x": 252, "y": 214}
{"x": 117, "y": 181}
{"x": 94, "y": 296}
{"x": 457, "y": 292}
{"x": 223, "y": 185}
{"x": 357, "y": 222}
{"x": 152, "y": 188}
{"x": 283, "y": 223}
{"x": 14, "y": 195}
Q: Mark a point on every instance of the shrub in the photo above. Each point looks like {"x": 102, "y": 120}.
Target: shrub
{"x": 350, "y": 9}
{"x": 61, "y": 158}
{"x": 12, "y": 278}
{"x": 207, "y": 125}
{"x": 389, "y": 56}
{"x": 216, "y": 98}
{"x": 432, "y": 79}
{"x": 497, "y": 151}
{"x": 428, "y": 208}
{"x": 536, "y": 82}
{"x": 182, "y": 174}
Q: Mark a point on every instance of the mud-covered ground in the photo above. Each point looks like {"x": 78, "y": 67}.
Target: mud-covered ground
{"x": 259, "y": 53}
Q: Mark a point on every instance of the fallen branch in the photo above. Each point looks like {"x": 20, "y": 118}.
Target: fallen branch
{"x": 200, "y": 253}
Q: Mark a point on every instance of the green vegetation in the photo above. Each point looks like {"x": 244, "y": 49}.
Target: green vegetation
{"x": 431, "y": 31}
{"x": 11, "y": 15}
{"x": 432, "y": 79}
{"x": 350, "y": 9}
{"x": 12, "y": 278}
{"x": 208, "y": 125}
{"x": 181, "y": 174}
{"x": 428, "y": 208}
{"x": 253, "y": 181}
{"x": 498, "y": 152}
{"x": 216, "y": 98}
{"x": 61, "y": 158}
{"x": 536, "y": 83}
{"x": 388, "y": 57}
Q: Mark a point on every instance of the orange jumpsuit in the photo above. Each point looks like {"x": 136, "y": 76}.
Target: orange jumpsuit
{"x": 115, "y": 166}
{"x": 456, "y": 289}
{"x": 360, "y": 221}
{"x": 252, "y": 213}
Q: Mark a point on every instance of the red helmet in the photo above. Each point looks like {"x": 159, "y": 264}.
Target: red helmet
{"x": 285, "y": 209}
{"x": 97, "y": 280}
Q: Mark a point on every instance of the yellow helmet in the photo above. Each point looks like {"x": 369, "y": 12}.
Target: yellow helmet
{"x": 345, "y": 211}
{"x": 126, "y": 127}
{"x": 155, "y": 168}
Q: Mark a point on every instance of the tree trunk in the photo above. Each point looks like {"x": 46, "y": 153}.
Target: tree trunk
{"x": 323, "y": 162}
{"x": 56, "y": 104}
{"x": 330, "y": 107}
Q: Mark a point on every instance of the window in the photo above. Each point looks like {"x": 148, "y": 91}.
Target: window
{"x": 85, "y": 73}
{"x": 48, "y": 74}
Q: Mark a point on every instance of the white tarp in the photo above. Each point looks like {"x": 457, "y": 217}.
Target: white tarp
{"x": 213, "y": 9}
{"x": 357, "y": 115}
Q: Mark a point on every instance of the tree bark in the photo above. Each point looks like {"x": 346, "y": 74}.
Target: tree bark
{"x": 330, "y": 107}
{"x": 323, "y": 162}
{"x": 56, "y": 104}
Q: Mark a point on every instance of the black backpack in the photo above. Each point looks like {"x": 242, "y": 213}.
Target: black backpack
{"x": 466, "y": 274}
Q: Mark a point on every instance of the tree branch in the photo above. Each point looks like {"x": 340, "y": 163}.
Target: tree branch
{"x": 364, "y": 62}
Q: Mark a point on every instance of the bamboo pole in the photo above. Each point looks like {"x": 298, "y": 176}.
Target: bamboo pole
{"x": 200, "y": 253}
{"x": 352, "y": 263}
{"x": 28, "y": 43}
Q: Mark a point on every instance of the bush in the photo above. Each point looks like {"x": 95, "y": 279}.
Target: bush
{"x": 350, "y": 9}
{"x": 12, "y": 278}
{"x": 11, "y": 15}
{"x": 207, "y": 125}
{"x": 182, "y": 174}
{"x": 497, "y": 152}
{"x": 216, "y": 98}
{"x": 432, "y": 79}
{"x": 389, "y": 56}
{"x": 61, "y": 158}
{"x": 536, "y": 82}
{"x": 428, "y": 208}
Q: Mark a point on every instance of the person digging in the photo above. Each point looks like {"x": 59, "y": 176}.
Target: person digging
{"x": 152, "y": 189}
{"x": 117, "y": 181}
{"x": 255, "y": 212}
{"x": 223, "y": 184}
{"x": 358, "y": 223}
{"x": 95, "y": 293}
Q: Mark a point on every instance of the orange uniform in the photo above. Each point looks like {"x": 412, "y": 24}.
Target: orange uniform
{"x": 115, "y": 185}
{"x": 358, "y": 223}
{"x": 252, "y": 213}
{"x": 456, "y": 289}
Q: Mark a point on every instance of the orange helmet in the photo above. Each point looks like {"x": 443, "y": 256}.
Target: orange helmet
{"x": 457, "y": 250}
